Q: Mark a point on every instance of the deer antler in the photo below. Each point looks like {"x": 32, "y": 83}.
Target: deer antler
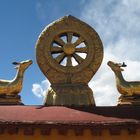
{"x": 15, "y": 63}
{"x": 124, "y": 65}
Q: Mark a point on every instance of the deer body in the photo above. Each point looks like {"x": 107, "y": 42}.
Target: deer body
{"x": 13, "y": 87}
{"x": 128, "y": 88}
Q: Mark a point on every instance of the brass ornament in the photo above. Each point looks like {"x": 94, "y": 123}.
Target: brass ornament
{"x": 69, "y": 52}
{"x": 129, "y": 90}
{"x": 10, "y": 89}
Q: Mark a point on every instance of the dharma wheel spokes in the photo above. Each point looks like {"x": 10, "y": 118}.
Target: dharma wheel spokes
{"x": 69, "y": 49}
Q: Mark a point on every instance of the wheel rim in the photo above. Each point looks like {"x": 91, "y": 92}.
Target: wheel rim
{"x": 64, "y": 56}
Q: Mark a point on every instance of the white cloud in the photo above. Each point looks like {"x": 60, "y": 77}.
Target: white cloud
{"x": 118, "y": 24}
{"x": 40, "y": 90}
{"x": 113, "y": 19}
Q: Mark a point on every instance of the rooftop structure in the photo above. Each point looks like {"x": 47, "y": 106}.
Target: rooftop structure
{"x": 69, "y": 52}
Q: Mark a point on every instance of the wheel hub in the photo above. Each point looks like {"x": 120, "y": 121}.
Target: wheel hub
{"x": 69, "y": 49}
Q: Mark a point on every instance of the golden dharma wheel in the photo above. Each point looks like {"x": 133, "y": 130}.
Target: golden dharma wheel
{"x": 69, "y": 51}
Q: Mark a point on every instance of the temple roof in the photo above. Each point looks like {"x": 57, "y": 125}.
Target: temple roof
{"x": 64, "y": 114}
{"x": 63, "y": 118}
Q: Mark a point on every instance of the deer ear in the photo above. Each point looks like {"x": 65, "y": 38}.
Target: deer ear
{"x": 15, "y": 63}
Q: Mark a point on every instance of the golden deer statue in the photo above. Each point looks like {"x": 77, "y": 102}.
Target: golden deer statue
{"x": 128, "y": 88}
{"x": 13, "y": 87}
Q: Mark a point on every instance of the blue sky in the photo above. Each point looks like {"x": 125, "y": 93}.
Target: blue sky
{"x": 117, "y": 22}
{"x": 21, "y": 21}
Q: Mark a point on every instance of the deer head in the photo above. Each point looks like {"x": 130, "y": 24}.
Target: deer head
{"x": 116, "y": 66}
{"x": 22, "y": 65}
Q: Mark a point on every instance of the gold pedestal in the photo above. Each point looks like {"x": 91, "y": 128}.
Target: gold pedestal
{"x": 10, "y": 100}
{"x": 129, "y": 100}
{"x": 70, "y": 95}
